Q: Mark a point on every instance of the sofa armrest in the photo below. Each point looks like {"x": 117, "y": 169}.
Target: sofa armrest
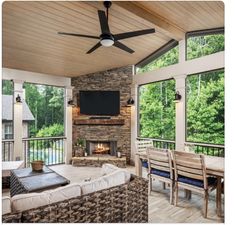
{"x": 6, "y": 205}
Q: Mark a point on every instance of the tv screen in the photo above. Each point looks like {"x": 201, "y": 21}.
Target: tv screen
{"x": 100, "y": 102}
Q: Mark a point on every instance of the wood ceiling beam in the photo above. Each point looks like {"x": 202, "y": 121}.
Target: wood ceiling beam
{"x": 163, "y": 25}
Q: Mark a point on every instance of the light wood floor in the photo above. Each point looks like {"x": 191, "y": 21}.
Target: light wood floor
{"x": 187, "y": 211}
{"x": 160, "y": 210}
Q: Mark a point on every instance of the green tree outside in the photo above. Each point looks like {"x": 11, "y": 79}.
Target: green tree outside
{"x": 157, "y": 110}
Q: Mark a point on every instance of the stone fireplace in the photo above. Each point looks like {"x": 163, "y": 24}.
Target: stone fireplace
{"x": 114, "y": 132}
{"x": 101, "y": 147}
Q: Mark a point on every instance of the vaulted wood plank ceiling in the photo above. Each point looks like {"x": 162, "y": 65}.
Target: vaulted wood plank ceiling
{"x": 31, "y": 42}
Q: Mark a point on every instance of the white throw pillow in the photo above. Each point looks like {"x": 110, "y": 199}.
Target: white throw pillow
{"x": 6, "y": 205}
{"x": 108, "y": 168}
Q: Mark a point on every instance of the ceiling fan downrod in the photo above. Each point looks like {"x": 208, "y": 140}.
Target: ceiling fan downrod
{"x": 107, "y": 5}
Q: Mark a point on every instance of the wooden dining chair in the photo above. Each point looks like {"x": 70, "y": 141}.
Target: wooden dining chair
{"x": 190, "y": 174}
{"x": 160, "y": 168}
{"x": 141, "y": 146}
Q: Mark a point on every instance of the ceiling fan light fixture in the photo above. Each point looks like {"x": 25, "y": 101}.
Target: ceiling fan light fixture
{"x": 107, "y": 42}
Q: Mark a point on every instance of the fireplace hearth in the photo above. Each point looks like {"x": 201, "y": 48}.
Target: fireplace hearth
{"x": 101, "y": 147}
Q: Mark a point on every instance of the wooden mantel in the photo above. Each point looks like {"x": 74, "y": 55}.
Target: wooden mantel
{"x": 112, "y": 121}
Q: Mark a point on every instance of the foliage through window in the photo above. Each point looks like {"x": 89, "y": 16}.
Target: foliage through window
{"x": 169, "y": 58}
{"x": 205, "y": 107}
{"x": 7, "y": 87}
{"x": 47, "y": 106}
{"x": 157, "y": 110}
{"x": 198, "y": 46}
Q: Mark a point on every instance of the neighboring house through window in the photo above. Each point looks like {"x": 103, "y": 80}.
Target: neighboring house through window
{"x": 7, "y": 117}
{"x": 8, "y": 134}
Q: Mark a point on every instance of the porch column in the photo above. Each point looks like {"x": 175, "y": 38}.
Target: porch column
{"x": 134, "y": 123}
{"x": 18, "y": 121}
{"x": 180, "y": 125}
{"x": 68, "y": 124}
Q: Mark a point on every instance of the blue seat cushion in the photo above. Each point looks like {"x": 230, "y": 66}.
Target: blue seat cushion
{"x": 145, "y": 164}
{"x": 160, "y": 173}
{"x": 195, "y": 182}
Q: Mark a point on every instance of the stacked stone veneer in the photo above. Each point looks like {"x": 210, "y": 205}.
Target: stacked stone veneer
{"x": 119, "y": 79}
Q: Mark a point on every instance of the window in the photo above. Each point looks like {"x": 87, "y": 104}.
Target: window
{"x": 157, "y": 110}
{"x": 165, "y": 56}
{"x": 45, "y": 114}
{"x": 204, "y": 44}
{"x": 205, "y": 107}
{"x": 8, "y": 131}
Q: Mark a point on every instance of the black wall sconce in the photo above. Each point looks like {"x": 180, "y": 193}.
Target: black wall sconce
{"x": 177, "y": 96}
{"x": 18, "y": 99}
{"x": 130, "y": 101}
{"x": 71, "y": 103}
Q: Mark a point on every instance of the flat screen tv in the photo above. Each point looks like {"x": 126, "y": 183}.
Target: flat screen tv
{"x": 100, "y": 102}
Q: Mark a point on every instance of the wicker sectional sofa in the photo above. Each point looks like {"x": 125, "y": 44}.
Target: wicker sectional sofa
{"x": 126, "y": 203}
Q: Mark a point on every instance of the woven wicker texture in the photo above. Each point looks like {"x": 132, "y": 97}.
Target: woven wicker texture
{"x": 12, "y": 218}
{"x": 127, "y": 203}
{"x": 16, "y": 186}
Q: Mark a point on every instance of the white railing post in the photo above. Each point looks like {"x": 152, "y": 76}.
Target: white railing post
{"x": 68, "y": 125}
{"x": 17, "y": 121}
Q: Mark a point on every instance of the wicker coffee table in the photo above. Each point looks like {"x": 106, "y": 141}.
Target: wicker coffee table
{"x": 26, "y": 180}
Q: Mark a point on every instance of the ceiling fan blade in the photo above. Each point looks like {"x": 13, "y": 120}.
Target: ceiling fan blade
{"x": 133, "y": 34}
{"x": 123, "y": 47}
{"x": 94, "y": 48}
{"x": 78, "y": 35}
{"x": 103, "y": 22}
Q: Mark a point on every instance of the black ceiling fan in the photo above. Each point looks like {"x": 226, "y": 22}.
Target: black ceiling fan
{"x": 108, "y": 39}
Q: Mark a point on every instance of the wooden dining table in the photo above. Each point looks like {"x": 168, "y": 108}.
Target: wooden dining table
{"x": 214, "y": 167}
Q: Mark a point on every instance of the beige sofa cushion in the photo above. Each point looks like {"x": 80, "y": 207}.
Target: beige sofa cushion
{"x": 23, "y": 202}
{"x": 33, "y": 200}
{"x": 115, "y": 178}
{"x": 63, "y": 193}
{"x": 6, "y": 205}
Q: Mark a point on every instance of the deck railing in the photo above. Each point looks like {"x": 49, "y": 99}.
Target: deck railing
{"x": 7, "y": 149}
{"x": 161, "y": 143}
{"x": 206, "y": 149}
{"x": 48, "y": 149}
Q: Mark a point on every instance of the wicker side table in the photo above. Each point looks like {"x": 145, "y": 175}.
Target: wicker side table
{"x": 7, "y": 166}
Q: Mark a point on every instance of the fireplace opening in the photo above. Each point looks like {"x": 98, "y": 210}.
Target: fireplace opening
{"x": 101, "y": 147}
